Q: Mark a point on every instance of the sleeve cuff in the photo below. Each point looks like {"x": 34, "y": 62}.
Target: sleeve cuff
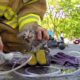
{"x": 29, "y": 18}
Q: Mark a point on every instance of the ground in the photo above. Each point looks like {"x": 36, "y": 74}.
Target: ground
{"x": 70, "y": 47}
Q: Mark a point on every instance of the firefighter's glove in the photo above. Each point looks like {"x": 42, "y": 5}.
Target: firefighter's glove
{"x": 42, "y": 57}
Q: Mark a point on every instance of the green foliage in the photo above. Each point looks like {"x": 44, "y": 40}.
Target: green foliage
{"x": 68, "y": 21}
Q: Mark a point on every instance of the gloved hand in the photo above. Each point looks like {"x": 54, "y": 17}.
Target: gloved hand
{"x": 40, "y": 53}
{"x": 33, "y": 61}
{"x": 43, "y": 57}
{"x": 65, "y": 60}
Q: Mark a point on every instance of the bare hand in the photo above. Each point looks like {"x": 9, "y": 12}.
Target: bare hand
{"x": 42, "y": 33}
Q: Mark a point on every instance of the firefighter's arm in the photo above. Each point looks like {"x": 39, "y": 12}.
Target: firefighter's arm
{"x": 31, "y": 17}
{"x": 7, "y": 12}
{"x": 8, "y": 16}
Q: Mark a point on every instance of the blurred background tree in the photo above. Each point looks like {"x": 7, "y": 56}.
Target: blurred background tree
{"x": 63, "y": 15}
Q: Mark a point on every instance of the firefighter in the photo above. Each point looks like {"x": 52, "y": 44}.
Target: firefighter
{"x": 16, "y": 17}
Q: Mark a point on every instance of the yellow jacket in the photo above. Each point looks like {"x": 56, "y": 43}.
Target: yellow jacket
{"x": 18, "y": 13}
